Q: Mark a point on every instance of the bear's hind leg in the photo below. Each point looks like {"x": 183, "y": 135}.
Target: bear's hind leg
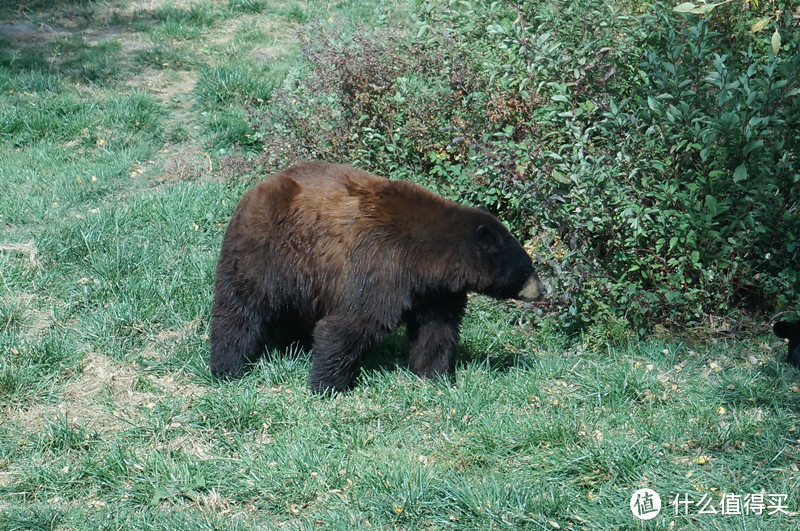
{"x": 432, "y": 331}
{"x": 237, "y": 338}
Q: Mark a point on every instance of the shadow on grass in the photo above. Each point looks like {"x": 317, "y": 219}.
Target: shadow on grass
{"x": 96, "y": 42}
{"x": 282, "y": 364}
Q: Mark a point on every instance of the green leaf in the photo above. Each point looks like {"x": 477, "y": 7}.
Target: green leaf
{"x": 695, "y": 9}
{"x": 711, "y": 205}
{"x": 560, "y": 177}
{"x": 703, "y": 9}
{"x": 685, "y": 7}
{"x": 163, "y": 493}
{"x": 695, "y": 257}
{"x": 740, "y": 174}
{"x": 760, "y": 25}
{"x": 691, "y": 238}
{"x": 776, "y": 42}
{"x": 755, "y": 144}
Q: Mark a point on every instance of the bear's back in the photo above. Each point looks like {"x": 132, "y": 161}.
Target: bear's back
{"x": 330, "y": 210}
{"x": 321, "y": 178}
{"x": 324, "y": 200}
{"x": 336, "y": 194}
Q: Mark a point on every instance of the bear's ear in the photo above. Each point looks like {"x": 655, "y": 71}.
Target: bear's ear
{"x": 786, "y": 329}
{"x": 488, "y": 239}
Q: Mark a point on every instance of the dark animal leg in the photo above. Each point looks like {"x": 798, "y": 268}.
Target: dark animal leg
{"x": 237, "y": 337}
{"x": 433, "y": 336}
{"x": 790, "y": 330}
{"x": 339, "y": 344}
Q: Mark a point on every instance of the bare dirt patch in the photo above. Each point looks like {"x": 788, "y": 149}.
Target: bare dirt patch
{"x": 69, "y": 21}
{"x": 29, "y": 31}
{"x": 188, "y": 162}
{"x": 36, "y": 323}
{"x": 160, "y": 347}
{"x": 99, "y": 373}
{"x": 102, "y": 381}
{"x": 25, "y": 249}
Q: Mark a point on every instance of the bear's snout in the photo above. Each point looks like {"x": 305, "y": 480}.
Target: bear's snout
{"x": 532, "y": 290}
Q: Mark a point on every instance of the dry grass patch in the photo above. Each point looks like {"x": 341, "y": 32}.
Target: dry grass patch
{"x": 26, "y": 249}
{"x": 106, "y": 397}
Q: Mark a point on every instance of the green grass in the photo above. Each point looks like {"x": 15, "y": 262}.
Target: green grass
{"x": 109, "y": 419}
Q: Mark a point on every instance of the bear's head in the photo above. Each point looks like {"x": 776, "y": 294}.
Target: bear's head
{"x": 790, "y": 330}
{"x": 510, "y": 269}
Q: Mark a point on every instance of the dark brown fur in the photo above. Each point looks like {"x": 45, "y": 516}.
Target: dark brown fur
{"x": 345, "y": 257}
{"x": 790, "y": 330}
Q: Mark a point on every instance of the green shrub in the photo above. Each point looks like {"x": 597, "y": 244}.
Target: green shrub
{"x": 693, "y": 211}
{"x": 723, "y": 120}
{"x": 377, "y": 100}
{"x": 647, "y": 156}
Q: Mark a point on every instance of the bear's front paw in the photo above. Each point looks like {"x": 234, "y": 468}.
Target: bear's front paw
{"x": 223, "y": 370}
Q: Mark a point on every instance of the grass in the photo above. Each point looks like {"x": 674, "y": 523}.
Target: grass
{"x": 110, "y": 221}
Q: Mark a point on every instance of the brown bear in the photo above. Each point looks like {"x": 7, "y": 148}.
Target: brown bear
{"x": 342, "y": 256}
